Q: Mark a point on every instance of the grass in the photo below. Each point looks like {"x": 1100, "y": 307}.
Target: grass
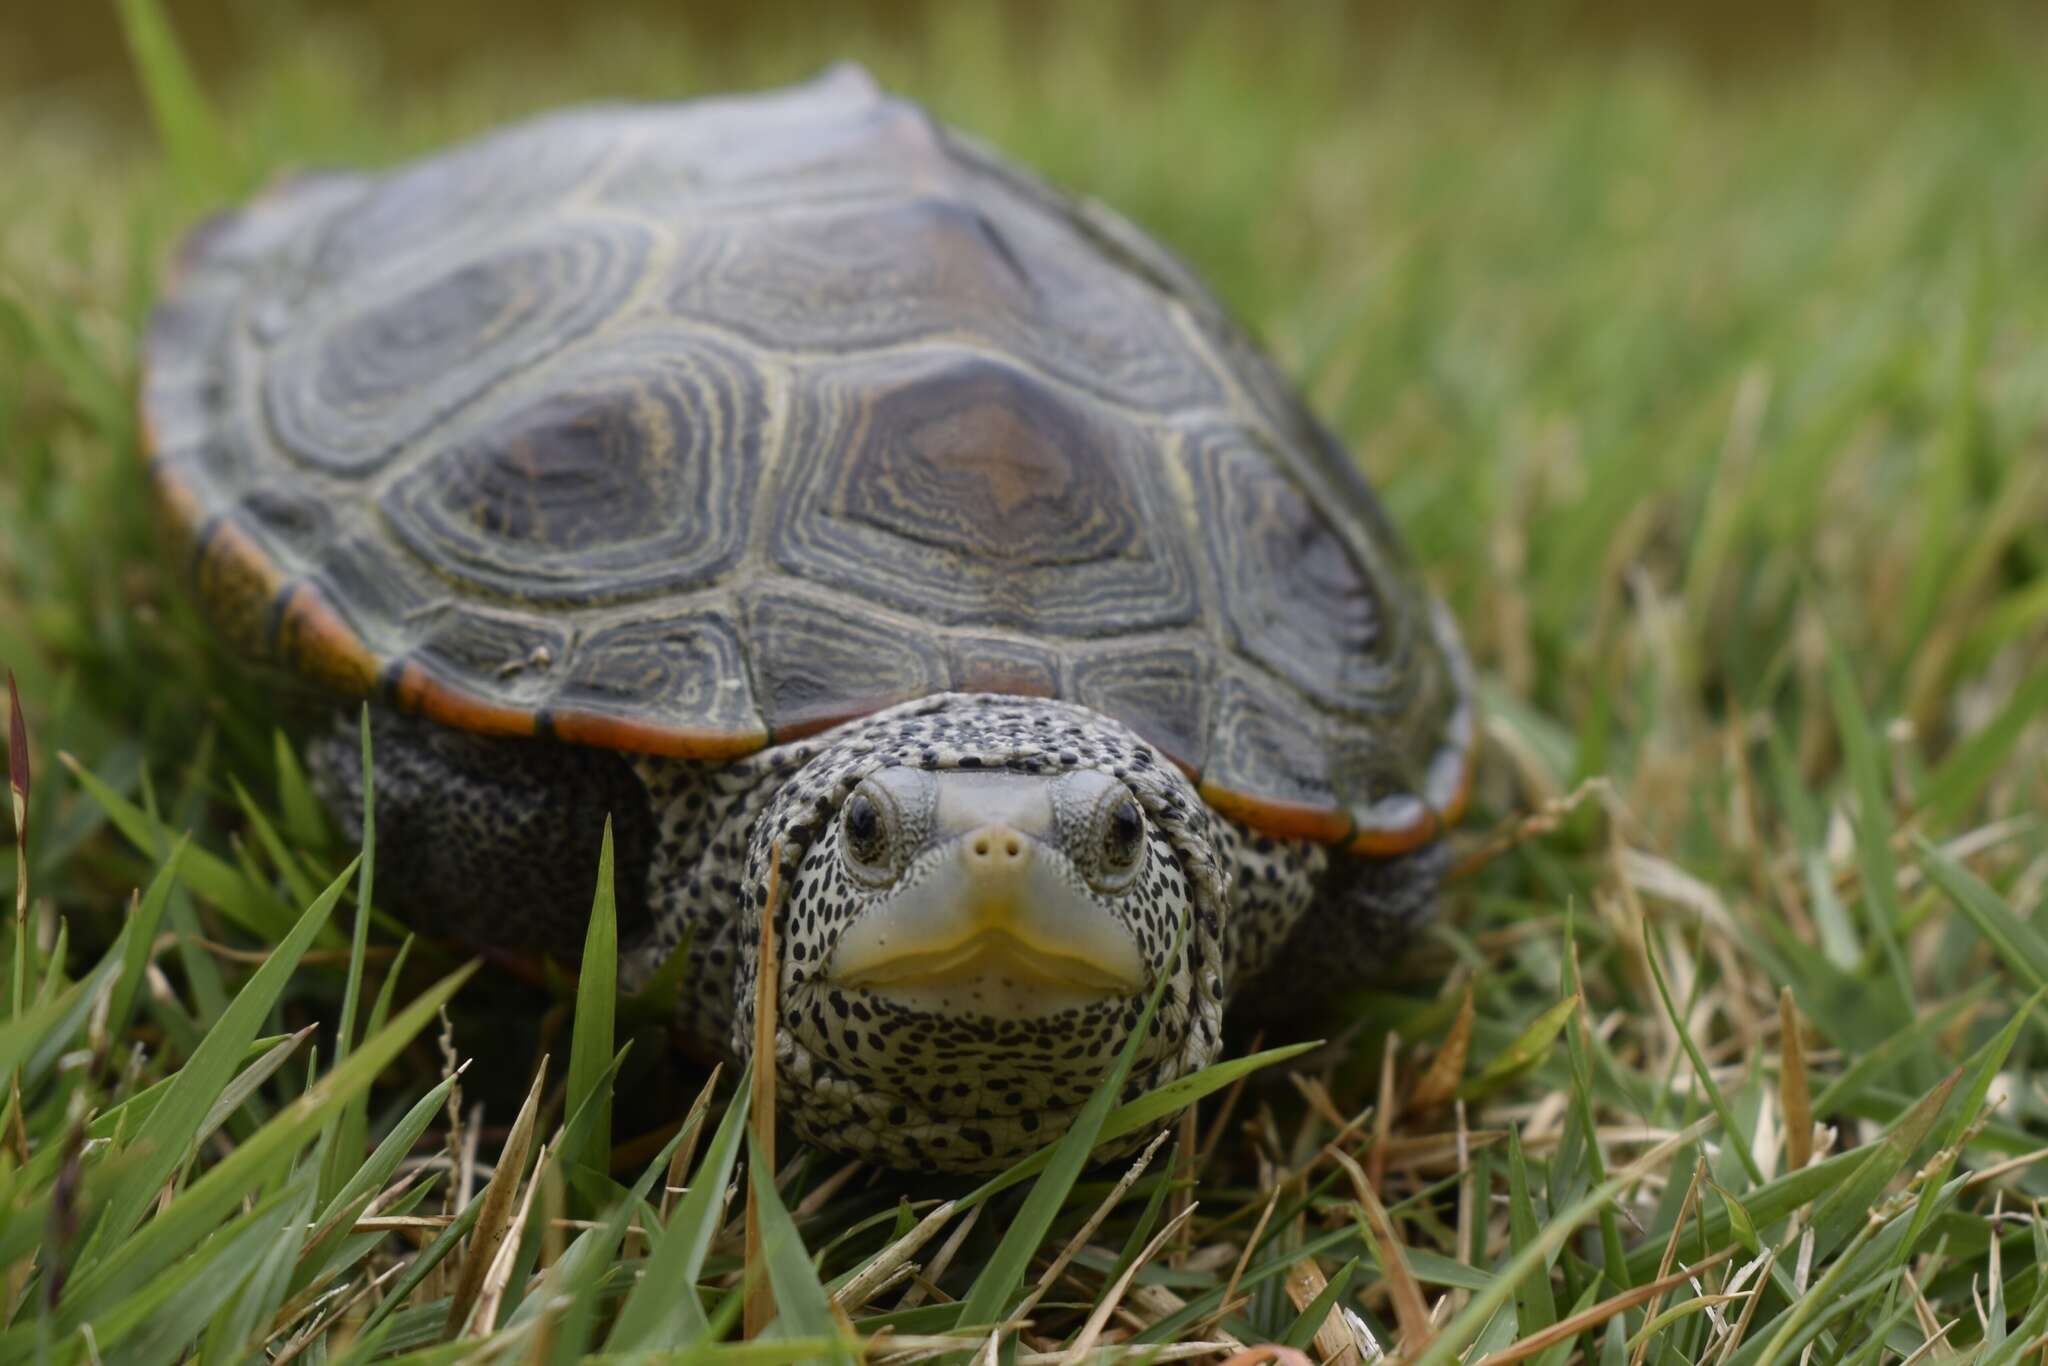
{"x": 1713, "y": 400}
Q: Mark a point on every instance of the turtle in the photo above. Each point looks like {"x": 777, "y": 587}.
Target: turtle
{"x": 879, "y": 538}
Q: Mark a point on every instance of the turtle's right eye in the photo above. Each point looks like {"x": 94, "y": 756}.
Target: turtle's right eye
{"x": 867, "y": 836}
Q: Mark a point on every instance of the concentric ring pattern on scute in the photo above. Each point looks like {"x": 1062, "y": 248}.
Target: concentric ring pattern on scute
{"x": 688, "y": 428}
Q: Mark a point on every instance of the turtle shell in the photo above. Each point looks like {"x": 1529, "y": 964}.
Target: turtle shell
{"x": 691, "y": 428}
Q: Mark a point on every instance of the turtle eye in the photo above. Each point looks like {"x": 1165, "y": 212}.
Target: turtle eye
{"x": 1123, "y": 835}
{"x": 867, "y": 839}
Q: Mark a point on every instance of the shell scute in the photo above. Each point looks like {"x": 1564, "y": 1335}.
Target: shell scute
{"x": 956, "y": 485}
{"x": 999, "y": 665}
{"x": 857, "y": 277}
{"x": 822, "y": 663}
{"x": 628, "y": 471}
{"x": 679, "y": 680}
{"x": 372, "y": 363}
{"x": 486, "y": 653}
{"x": 1295, "y": 597}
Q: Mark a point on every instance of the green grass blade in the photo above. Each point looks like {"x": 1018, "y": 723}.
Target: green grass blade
{"x": 2023, "y": 948}
{"x": 141, "y": 940}
{"x": 366, "y": 1180}
{"x": 1886, "y": 1061}
{"x": 802, "y": 1308}
{"x": 1526, "y": 1053}
{"x": 298, "y": 884}
{"x": 242, "y": 1090}
{"x": 1303, "y": 1330}
{"x": 1990, "y": 1059}
{"x": 1873, "y": 820}
{"x": 167, "y": 1136}
{"x": 1848, "y": 1208}
{"x": 1768, "y": 1203}
{"x": 597, "y": 990}
{"x": 1579, "y": 1054}
{"x": 1530, "y": 1259}
{"x": 1737, "y": 1140}
{"x": 1535, "y": 1308}
{"x": 661, "y": 1312}
{"x": 50, "y": 1026}
{"x": 195, "y": 1212}
{"x": 156, "y": 1325}
{"x": 299, "y": 807}
{"x": 578, "y": 1275}
{"x": 238, "y": 1332}
{"x": 252, "y": 906}
{"x": 436, "y": 1252}
{"x": 1148, "y": 1111}
{"x": 191, "y": 133}
{"x": 1954, "y": 787}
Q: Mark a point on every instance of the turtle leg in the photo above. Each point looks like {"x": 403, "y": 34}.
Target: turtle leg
{"x": 1358, "y": 914}
{"x": 490, "y": 841}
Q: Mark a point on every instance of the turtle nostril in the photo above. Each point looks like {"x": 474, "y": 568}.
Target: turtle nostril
{"x": 997, "y": 847}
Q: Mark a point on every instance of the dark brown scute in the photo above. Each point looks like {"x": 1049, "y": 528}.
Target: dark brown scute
{"x": 959, "y": 488}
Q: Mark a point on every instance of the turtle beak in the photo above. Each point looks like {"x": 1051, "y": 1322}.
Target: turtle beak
{"x": 993, "y": 924}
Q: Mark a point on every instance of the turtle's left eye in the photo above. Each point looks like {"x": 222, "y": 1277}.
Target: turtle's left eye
{"x": 866, "y": 838}
{"x": 1123, "y": 835}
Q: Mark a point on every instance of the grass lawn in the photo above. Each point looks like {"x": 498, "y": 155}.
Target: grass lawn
{"x": 1711, "y": 388}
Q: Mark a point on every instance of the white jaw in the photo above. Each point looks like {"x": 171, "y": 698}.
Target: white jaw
{"x": 993, "y": 922}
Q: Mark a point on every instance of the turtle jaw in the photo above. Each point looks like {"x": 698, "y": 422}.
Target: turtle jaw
{"x": 992, "y": 924}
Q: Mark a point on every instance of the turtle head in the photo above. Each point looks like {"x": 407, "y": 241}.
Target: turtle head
{"x": 976, "y": 896}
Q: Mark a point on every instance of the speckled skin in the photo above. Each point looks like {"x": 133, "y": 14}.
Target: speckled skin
{"x": 860, "y": 1073}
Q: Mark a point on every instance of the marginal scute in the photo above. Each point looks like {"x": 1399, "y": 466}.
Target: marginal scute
{"x": 992, "y": 664}
{"x": 674, "y": 683}
{"x": 1266, "y": 748}
{"x": 311, "y": 636}
{"x": 241, "y": 582}
{"x": 485, "y": 652}
{"x": 412, "y": 689}
{"x": 290, "y": 518}
{"x": 819, "y": 664}
{"x": 629, "y": 472}
{"x": 395, "y": 599}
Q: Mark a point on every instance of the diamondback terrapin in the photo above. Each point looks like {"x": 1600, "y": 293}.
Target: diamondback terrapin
{"x": 789, "y": 473}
